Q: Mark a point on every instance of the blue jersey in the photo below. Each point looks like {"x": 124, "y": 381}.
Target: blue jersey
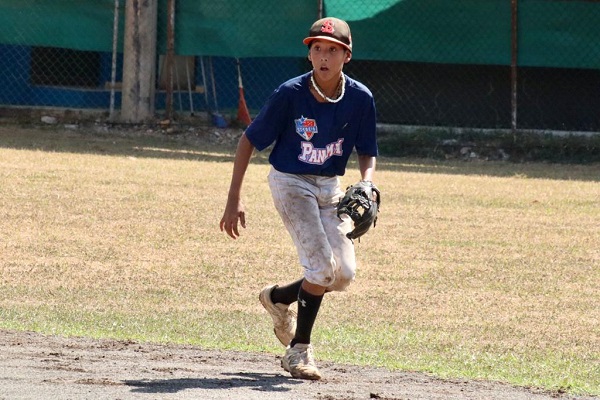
{"x": 315, "y": 138}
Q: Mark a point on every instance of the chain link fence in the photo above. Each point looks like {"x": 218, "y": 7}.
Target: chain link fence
{"x": 493, "y": 64}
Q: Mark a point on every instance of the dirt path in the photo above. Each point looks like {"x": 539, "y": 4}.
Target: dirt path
{"x": 34, "y": 366}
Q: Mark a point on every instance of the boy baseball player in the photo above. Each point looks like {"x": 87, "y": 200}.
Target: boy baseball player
{"x": 315, "y": 121}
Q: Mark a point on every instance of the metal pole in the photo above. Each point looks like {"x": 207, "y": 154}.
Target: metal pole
{"x": 178, "y": 90}
{"x": 189, "y": 87}
{"x": 320, "y": 11}
{"x": 204, "y": 83}
{"x": 170, "y": 58}
{"x": 513, "y": 66}
{"x": 113, "y": 73}
{"x": 214, "y": 85}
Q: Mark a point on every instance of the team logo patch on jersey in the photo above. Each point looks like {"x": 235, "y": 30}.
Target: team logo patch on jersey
{"x": 306, "y": 127}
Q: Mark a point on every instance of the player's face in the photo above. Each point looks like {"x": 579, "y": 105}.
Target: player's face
{"x": 328, "y": 59}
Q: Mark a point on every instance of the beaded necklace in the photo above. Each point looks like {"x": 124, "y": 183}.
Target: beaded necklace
{"x": 328, "y": 99}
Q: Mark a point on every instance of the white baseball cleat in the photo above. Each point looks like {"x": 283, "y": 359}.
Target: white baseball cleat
{"x": 300, "y": 363}
{"x": 284, "y": 319}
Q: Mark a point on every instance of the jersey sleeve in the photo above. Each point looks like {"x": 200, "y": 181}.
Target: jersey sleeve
{"x": 366, "y": 141}
{"x": 270, "y": 121}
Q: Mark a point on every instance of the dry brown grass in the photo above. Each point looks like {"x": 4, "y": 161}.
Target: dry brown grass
{"x": 483, "y": 270}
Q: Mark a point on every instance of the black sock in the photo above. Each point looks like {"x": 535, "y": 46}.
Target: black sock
{"x": 308, "y": 308}
{"x": 286, "y": 294}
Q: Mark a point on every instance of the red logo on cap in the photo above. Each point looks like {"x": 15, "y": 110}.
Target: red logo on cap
{"x": 327, "y": 27}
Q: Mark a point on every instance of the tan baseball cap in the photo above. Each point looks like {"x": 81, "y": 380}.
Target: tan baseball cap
{"x": 331, "y": 29}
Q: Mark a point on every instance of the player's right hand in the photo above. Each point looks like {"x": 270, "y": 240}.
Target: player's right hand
{"x": 234, "y": 213}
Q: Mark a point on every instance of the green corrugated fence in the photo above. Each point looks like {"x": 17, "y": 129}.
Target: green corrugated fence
{"x": 429, "y": 62}
{"x": 551, "y": 33}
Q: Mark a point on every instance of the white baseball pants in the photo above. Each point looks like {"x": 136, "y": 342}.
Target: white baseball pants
{"x": 306, "y": 204}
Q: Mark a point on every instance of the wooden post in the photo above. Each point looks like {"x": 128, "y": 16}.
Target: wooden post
{"x": 139, "y": 61}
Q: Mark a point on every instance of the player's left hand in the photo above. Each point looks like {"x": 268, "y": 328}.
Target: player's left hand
{"x": 361, "y": 202}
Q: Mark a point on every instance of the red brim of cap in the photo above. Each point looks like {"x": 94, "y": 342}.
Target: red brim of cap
{"x": 310, "y": 39}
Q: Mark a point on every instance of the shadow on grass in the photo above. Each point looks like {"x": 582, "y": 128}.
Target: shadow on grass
{"x": 116, "y": 142}
{"x": 253, "y": 381}
{"x": 203, "y": 147}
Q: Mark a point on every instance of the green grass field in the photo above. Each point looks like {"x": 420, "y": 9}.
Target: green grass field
{"x": 482, "y": 270}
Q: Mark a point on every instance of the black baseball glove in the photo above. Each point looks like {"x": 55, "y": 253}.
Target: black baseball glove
{"x": 361, "y": 202}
